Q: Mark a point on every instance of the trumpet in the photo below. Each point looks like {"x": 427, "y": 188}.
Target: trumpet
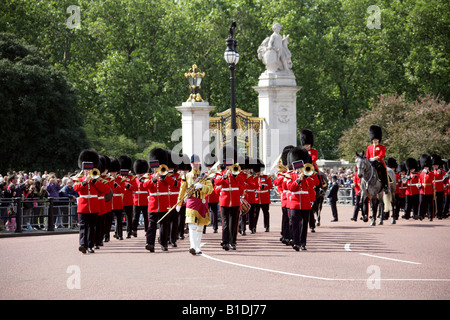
{"x": 308, "y": 169}
{"x": 235, "y": 169}
{"x": 282, "y": 168}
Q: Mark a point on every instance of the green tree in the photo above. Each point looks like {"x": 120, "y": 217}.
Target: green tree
{"x": 41, "y": 128}
{"x": 409, "y": 128}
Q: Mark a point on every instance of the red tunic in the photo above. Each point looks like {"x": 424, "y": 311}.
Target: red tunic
{"x": 118, "y": 189}
{"x": 374, "y": 151}
{"x": 314, "y": 156}
{"x": 127, "y": 193}
{"x": 412, "y": 184}
{"x": 230, "y": 190}
{"x": 88, "y": 201}
{"x": 158, "y": 193}
{"x": 426, "y": 182}
{"x": 300, "y": 193}
{"x": 264, "y": 185}
{"x": 140, "y": 193}
{"x": 439, "y": 180}
{"x": 251, "y": 185}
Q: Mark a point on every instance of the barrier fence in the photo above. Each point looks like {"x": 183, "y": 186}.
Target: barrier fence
{"x": 17, "y": 214}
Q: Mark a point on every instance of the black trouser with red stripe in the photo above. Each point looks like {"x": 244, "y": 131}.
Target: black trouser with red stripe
{"x": 230, "y": 216}
{"x": 153, "y": 218}
{"x": 426, "y": 205}
{"x": 87, "y": 229}
{"x": 300, "y": 220}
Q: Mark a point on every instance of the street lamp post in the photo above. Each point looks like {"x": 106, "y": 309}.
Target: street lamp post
{"x": 232, "y": 58}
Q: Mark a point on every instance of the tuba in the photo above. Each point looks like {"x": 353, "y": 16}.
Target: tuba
{"x": 308, "y": 169}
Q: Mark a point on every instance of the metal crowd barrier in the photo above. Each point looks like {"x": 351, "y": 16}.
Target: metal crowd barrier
{"x": 20, "y": 215}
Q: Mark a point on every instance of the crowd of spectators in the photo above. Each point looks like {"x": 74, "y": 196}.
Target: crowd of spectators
{"x": 344, "y": 176}
{"x": 32, "y": 187}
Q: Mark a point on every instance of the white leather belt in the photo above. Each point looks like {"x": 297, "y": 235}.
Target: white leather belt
{"x": 88, "y": 196}
{"x": 159, "y": 194}
{"x": 300, "y": 192}
{"x": 230, "y": 189}
{"x": 141, "y": 192}
{"x": 117, "y": 194}
{"x": 261, "y": 191}
{"x": 101, "y": 198}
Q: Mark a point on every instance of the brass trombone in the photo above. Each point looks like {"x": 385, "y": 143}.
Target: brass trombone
{"x": 163, "y": 170}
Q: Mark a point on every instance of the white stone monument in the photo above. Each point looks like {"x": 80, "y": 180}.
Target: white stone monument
{"x": 195, "y": 117}
{"x": 277, "y": 97}
{"x": 195, "y": 127}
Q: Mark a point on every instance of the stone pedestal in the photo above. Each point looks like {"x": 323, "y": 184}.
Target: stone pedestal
{"x": 277, "y": 105}
{"x": 195, "y": 128}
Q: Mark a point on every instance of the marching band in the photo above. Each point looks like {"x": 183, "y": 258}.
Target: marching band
{"x": 170, "y": 192}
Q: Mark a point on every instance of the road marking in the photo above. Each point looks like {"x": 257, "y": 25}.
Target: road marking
{"x": 379, "y": 257}
{"x": 312, "y": 277}
{"x": 347, "y": 248}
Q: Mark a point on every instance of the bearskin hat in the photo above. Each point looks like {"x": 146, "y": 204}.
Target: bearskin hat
{"x": 411, "y": 163}
{"x": 445, "y": 164}
{"x": 104, "y": 163}
{"x": 425, "y": 161}
{"x": 115, "y": 165}
{"x": 285, "y": 153}
{"x": 210, "y": 159}
{"x": 258, "y": 166}
{"x": 140, "y": 166}
{"x": 125, "y": 162}
{"x": 298, "y": 153}
{"x": 307, "y": 137}
{"x": 159, "y": 154}
{"x": 392, "y": 163}
{"x": 401, "y": 167}
{"x": 375, "y": 132}
{"x": 88, "y": 156}
{"x": 436, "y": 160}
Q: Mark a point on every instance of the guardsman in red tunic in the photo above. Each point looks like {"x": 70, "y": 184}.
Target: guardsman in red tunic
{"x": 88, "y": 203}
{"x": 262, "y": 193}
{"x": 401, "y": 185}
{"x": 118, "y": 188}
{"x": 250, "y": 186}
{"x": 140, "y": 200}
{"x": 412, "y": 189}
{"x": 101, "y": 227}
{"x": 230, "y": 202}
{"x": 426, "y": 188}
{"x": 376, "y": 152}
{"x": 173, "y": 216}
{"x": 357, "y": 191}
{"x": 438, "y": 184}
{"x": 213, "y": 198}
{"x": 279, "y": 183}
{"x": 300, "y": 200}
{"x": 445, "y": 164}
{"x": 392, "y": 163}
{"x": 125, "y": 174}
{"x": 158, "y": 185}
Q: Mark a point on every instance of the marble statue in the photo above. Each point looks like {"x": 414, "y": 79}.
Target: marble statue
{"x": 274, "y": 51}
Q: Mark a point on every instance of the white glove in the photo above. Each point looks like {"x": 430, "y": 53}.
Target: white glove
{"x": 178, "y": 208}
{"x": 198, "y": 186}
{"x": 371, "y": 159}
